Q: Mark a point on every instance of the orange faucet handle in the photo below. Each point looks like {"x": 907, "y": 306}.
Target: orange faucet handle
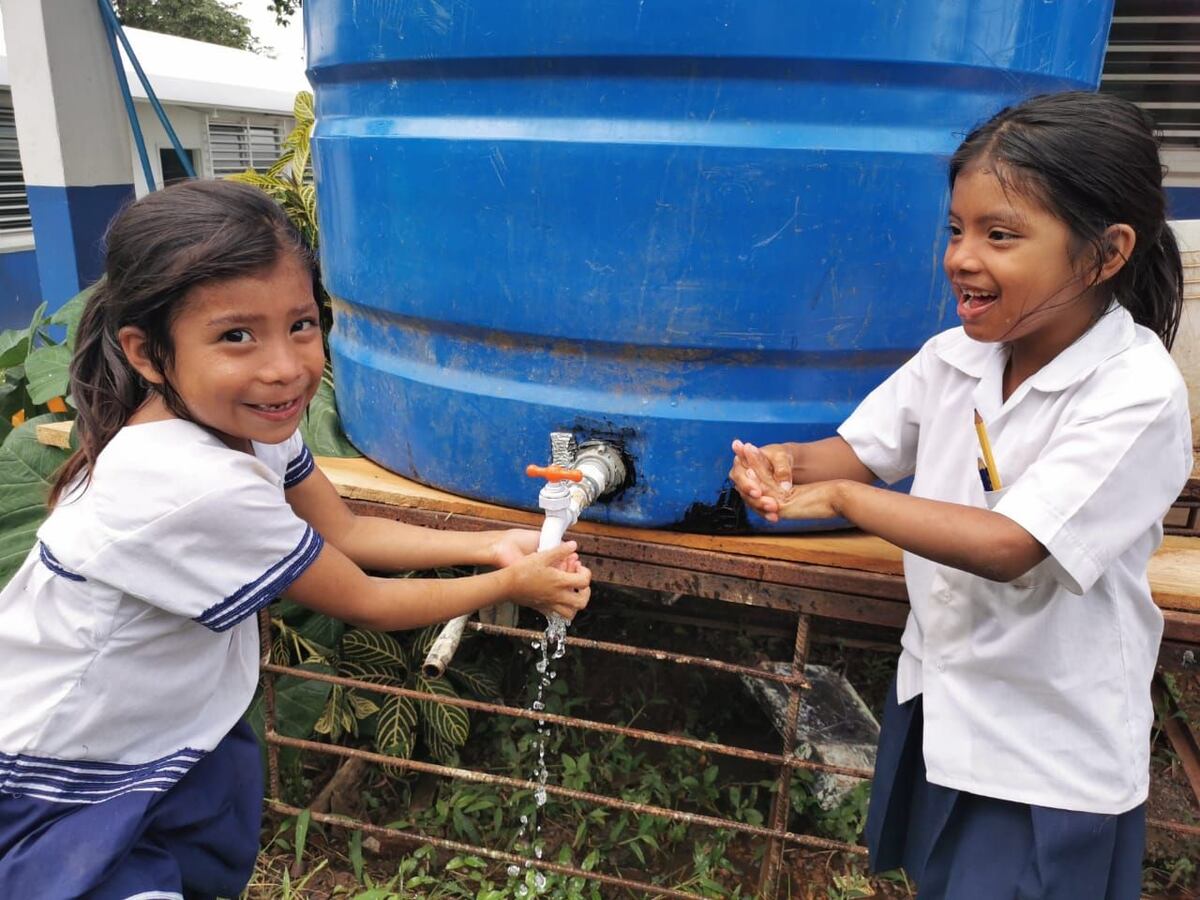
{"x": 553, "y": 473}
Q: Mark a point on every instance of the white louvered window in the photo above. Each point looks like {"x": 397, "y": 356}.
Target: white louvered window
{"x": 14, "y": 204}
{"x": 235, "y": 148}
{"x": 1154, "y": 60}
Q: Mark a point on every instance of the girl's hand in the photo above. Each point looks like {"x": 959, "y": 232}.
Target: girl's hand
{"x": 819, "y": 500}
{"x": 761, "y": 474}
{"x": 512, "y": 546}
{"x": 552, "y": 581}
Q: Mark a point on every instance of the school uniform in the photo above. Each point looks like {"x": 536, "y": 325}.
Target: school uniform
{"x": 1015, "y": 749}
{"x": 128, "y": 653}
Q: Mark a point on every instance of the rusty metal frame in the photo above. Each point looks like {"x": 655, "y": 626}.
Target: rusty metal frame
{"x": 800, "y": 589}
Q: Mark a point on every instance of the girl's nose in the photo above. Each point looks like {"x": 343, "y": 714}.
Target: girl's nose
{"x": 960, "y": 257}
{"x": 283, "y": 365}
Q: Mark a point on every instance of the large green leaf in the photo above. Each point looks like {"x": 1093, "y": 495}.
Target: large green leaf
{"x": 320, "y": 629}
{"x": 374, "y": 648}
{"x": 26, "y": 471}
{"x": 475, "y": 679}
{"x": 303, "y": 110}
{"x": 322, "y": 427}
{"x": 70, "y": 312}
{"x": 14, "y": 347}
{"x": 449, "y": 724}
{"x": 298, "y": 705}
{"x": 396, "y": 727}
{"x": 350, "y": 668}
{"x": 47, "y": 371}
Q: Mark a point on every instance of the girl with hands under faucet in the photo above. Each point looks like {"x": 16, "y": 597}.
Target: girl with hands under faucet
{"x": 129, "y": 645}
{"x": 1015, "y": 744}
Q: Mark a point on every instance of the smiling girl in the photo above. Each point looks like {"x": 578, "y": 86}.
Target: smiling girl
{"x": 1014, "y": 752}
{"x": 128, "y": 642}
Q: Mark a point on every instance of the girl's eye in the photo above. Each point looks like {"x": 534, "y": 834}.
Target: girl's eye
{"x": 954, "y": 230}
{"x": 998, "y": 235}
{"x": 305, "y": 325}
{"x": 236, "y": 336}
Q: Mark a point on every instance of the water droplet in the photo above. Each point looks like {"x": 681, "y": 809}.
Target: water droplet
{"x": 539, "y": 881}
{"x": 524, "y": 820}
{"x": 541, "y": 665}
{"x": 539, "y": 705}
{"x": 537, "y": 645}
{"x": 537, "y": 851}
{"x": 522, "y": 890}
{"x": 514, "y": 871}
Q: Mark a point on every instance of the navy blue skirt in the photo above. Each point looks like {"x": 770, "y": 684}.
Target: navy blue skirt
{"x": 961, "y": 846}
{"x": 197, "y": 840}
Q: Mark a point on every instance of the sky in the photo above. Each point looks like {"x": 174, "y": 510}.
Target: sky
{"x": 287, "y": 43}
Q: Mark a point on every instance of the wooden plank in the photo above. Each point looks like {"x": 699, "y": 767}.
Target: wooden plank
{"x": 1174, "y": 571}
{"x": 55, "y": 434}
{"x": 361, "y": 479}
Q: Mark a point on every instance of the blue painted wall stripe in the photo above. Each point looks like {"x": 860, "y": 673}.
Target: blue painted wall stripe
{"x": 1183, "y": 202}
{"x": 20, "y": 292}
{"x": 68, "y": 228}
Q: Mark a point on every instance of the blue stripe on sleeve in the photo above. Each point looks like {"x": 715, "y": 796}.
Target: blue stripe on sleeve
{"x": 251, "y": 597}
{"x": 55, "y": 566}
{"x": 299, "y": 468}
{"x": 86, "y": 781}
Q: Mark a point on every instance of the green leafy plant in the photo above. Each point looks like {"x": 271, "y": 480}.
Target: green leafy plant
{"x": 289, "y": 182}
{"x": 394, "y": 725}
{"x": 33, "y": 364}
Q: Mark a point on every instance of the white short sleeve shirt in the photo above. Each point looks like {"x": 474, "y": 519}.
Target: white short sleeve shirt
{"x": 128, "y": 644}
{"x": 1038, "y": 691}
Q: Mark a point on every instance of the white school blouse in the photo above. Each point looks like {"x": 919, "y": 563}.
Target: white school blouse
{"x": 128, "y": 644}
{"x": 1038, "y": 691}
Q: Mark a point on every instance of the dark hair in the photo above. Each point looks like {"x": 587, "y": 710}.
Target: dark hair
{"x": 1092, "y": 161}
{"x": 157, "y": 250}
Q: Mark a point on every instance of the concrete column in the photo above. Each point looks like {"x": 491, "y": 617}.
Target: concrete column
{"x": 73, "y": 133}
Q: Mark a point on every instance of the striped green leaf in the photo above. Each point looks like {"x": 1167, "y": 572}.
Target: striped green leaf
{"x": 375, "y": 648}
{"x": 476, "y": 679}
{"x": 444, "y": 725}
{"x": 396, "y": 728}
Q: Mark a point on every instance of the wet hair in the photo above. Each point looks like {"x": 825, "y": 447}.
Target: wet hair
{"x": 1092, "y": 161}
{"x": 157, "y": 250}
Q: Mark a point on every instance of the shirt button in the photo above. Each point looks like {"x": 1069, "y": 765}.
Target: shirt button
{"x": 941, "y": 666}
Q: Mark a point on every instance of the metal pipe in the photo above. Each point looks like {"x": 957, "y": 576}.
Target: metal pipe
{"x": 109, "y": 18}
{"x": 115, "y": 28}
{"x": 603, "y": 472}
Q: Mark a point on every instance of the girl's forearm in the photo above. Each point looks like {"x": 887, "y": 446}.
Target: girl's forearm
{"x": 827, "y": 460}
{"x": 399, "y": 604}
{"x": 383, "y": 545}
{"x": 969, "y": 538}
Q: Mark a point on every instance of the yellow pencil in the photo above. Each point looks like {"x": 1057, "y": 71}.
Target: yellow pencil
{"x": 986, "y": 446}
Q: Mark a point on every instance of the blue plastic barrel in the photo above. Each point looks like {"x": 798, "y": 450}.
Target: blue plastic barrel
{"x": 667, "y": 223}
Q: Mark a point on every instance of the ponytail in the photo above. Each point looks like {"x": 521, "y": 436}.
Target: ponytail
{"x": 1150, "y": 284}
{"x": 158, "y": 249}
{"x": 104, "y": 388}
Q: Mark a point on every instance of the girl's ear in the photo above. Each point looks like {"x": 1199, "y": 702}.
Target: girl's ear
{"x": 1118, "y": 243}
{"x": 133, "y": 345}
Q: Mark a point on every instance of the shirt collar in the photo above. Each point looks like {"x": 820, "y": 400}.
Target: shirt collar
{"x": 1111, "y": 334}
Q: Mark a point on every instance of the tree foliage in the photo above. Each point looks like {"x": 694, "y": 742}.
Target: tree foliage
{"x": 284, "y": 9}
{"x": 211, "y": 21}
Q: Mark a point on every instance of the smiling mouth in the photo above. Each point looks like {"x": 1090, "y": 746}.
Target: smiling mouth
{"x": 977, "y": 299}
{"x": 973, "y": 304}
{"x": 275, "y": 409}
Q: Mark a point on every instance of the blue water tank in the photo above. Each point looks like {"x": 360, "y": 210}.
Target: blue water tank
{"x": 667, "y": 223}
